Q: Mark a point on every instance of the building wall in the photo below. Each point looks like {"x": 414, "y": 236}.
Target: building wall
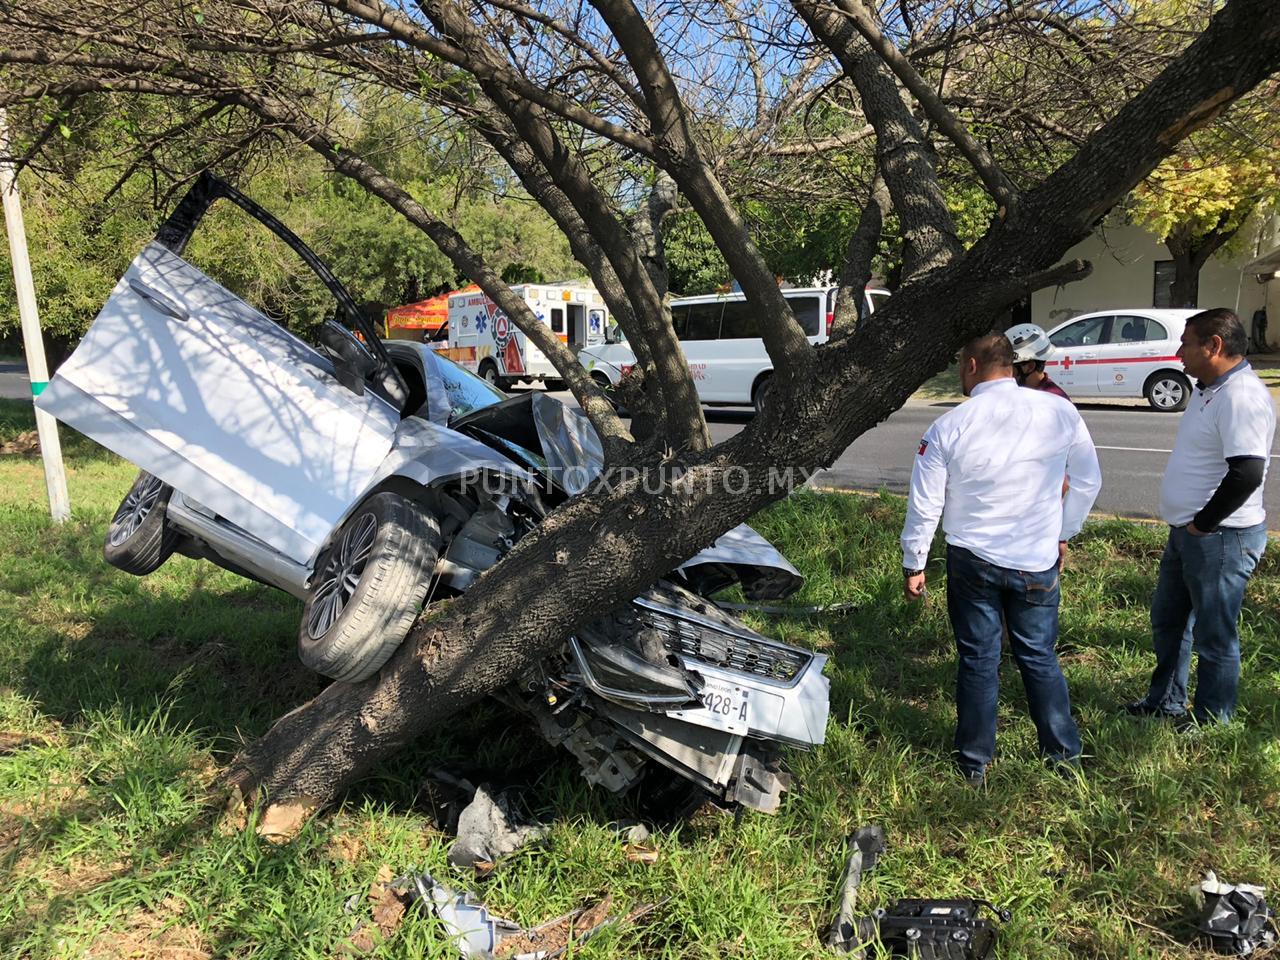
{"x": 1272, "y": 288}
{"x": 1123, "y": 259}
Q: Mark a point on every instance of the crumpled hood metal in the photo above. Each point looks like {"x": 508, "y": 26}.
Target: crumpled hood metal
{"x": 576, "y": 458}
{"x": 570, "y": 444}
{"x": 765, "y": 574}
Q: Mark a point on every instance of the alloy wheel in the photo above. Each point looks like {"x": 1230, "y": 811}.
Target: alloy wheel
{"x": 341, "y": 575}
{"x": 137, "y": 504}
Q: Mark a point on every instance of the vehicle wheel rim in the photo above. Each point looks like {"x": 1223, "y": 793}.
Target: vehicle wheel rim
{"x": 341, "y": 576}
{"x": 761, "y": 398}
{"x": 1167, "y": 393}
{"x": 138, "y": 503}
{"x": 490, "y": 375}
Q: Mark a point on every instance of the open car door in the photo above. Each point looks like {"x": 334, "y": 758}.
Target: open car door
{"x": 205, "y": 392}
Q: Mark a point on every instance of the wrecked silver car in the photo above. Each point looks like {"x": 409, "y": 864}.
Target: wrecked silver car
{"x": 371, "y": 478}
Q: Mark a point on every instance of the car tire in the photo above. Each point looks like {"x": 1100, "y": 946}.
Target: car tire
{"x": 368, "y": 587}
{"x": 138, "y": 538}
{"x": 489, "y": 373}
{"x": 1168, "y": 391}
{"x": 760, "y": 393}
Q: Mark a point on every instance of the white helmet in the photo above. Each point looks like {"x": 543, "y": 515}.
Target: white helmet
{"x": 1029, "y": 343}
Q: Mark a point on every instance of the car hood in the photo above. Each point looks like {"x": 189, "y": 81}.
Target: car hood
{"x": 616, "y": 355}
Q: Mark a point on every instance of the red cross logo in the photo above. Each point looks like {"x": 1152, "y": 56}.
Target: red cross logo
{"x": 1066, "y": 363}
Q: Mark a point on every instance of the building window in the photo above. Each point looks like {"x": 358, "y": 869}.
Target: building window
{"x": 1162, "y": 296}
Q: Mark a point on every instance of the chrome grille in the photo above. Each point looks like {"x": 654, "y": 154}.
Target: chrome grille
{"x": 708, "y": 643}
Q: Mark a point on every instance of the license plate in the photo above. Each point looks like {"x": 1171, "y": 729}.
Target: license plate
{"x": 724, "y": 707}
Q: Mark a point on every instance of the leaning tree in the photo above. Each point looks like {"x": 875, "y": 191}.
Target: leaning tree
{"x": 610, "y": 113}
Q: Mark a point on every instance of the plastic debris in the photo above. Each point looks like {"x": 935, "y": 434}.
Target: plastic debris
{"x": 487, "y": 831}
{"x": 474, "y": 930}
{"x": 1236, "y": 920}
{"x": 478, "y": 933}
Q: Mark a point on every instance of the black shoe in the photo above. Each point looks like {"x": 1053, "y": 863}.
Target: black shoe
{"x": 974, "y": 778}
{"x": 1189, "y": 723}
{"x": 1140, "y": 708}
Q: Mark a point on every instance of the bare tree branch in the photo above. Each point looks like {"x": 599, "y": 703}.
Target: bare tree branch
{"x": 856, "y": 271}
{"x": 679, "y": 155}
{"x": 977, "y": 155}
{"x": 400, "y": 26}
{"x": 903, "y": 158}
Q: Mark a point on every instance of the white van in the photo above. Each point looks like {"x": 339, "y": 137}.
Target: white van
{"x": 721, "y": 341}
{"x": 1122, "y": 353}
{"x": 483, "y": 339}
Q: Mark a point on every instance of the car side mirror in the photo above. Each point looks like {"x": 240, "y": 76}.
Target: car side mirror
{"x": 353, "y": 363}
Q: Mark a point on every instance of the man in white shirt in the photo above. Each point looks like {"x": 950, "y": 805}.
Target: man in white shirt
{"x": 992, "y": 469}
{"x": 1212, "y": 500}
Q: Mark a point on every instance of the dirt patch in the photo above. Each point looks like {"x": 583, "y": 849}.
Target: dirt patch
{"x": 152, "y": 936}
{"x": 554, "y": 937}
{"x": 25, "y": 444}
{"x": 345, "y": 847}
{"x": 12, "y": 741}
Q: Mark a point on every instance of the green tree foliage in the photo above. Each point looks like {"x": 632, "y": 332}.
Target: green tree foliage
{"x": 81, "y": 244}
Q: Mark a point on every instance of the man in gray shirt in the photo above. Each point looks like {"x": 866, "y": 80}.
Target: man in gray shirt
{"x": 1212, "y": 500}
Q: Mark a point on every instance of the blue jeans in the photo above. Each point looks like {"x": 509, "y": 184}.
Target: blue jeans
{"x": 981, "y": 600}
{"x": 1196, "y": 605}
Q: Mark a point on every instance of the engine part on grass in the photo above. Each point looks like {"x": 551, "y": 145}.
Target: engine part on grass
{"x": 1235, "y": 920}
{"x": 847, "y": 933}
{"x": 487, "y": 831}
{"x": 938, "y": 929}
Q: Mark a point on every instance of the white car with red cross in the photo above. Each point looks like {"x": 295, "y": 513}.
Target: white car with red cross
{"x": 483, "y": 339}
{"x": 1122, "y": 353}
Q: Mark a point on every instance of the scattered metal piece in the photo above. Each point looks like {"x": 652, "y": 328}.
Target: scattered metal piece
{"x": 1235, "y": 920}
{"x": 487, "y": 831}
{"x": 848, "y": 933}
{"x": 941, "y": 929}
{"x": 847, "y": 606}
{"x": 478, "y": 933}
{"x": 475, "y": 931}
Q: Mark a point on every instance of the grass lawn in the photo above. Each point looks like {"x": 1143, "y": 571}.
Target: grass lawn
{"x": 133, "y": 691}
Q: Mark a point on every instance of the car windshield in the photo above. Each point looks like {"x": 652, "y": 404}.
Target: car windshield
{"x": 467, "y": 392}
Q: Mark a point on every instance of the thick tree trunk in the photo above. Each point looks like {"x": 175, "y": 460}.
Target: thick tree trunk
{"x": 1184, "y": 291}
{"x": 1191, "y": 251}
{"x": 619, "y": 541}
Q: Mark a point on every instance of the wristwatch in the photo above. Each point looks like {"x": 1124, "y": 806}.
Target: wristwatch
{"x": 908, "y": 572}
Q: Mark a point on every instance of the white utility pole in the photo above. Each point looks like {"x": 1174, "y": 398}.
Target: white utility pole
{"x": 55, "y": 476}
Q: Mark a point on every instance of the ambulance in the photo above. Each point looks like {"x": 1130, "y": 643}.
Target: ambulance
{"x": 483, "y": 339}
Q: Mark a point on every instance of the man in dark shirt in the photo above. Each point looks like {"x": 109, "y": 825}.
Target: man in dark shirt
{"x": 1031, "y": 348}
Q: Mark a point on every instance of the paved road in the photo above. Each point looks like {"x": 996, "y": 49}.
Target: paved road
{"x": 1133, "y": 445}
{"x": 14, "y": 384}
